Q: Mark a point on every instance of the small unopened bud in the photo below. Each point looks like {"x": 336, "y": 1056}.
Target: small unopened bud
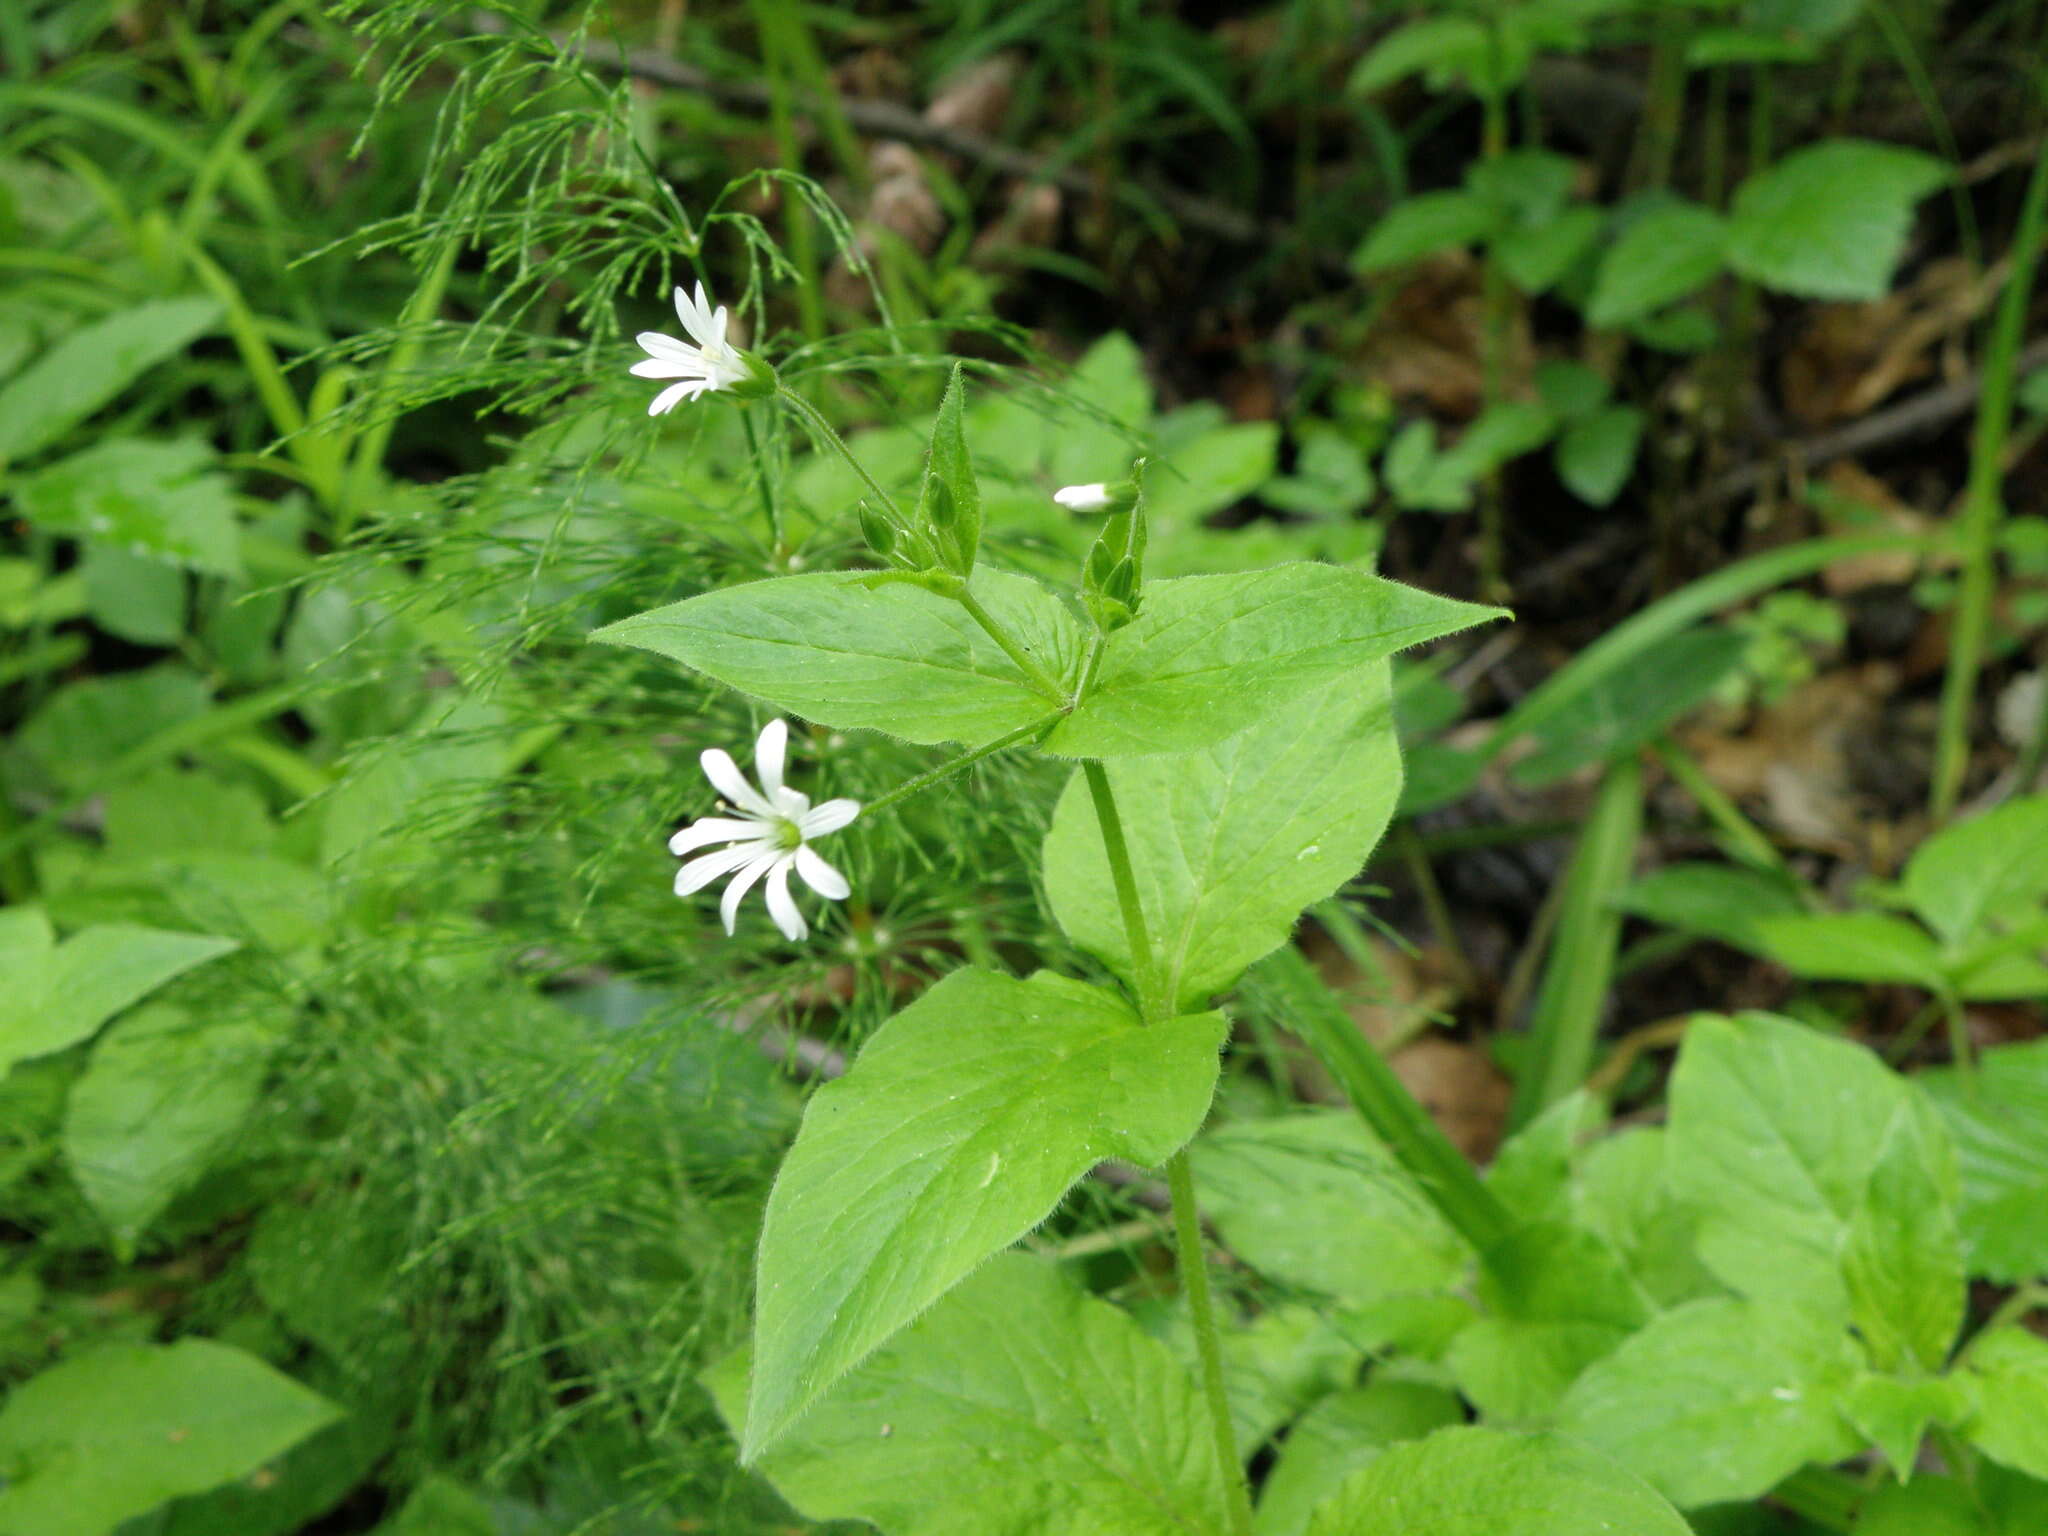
{"x": 1097, "y": 497}
{"x": 877, "y": 530}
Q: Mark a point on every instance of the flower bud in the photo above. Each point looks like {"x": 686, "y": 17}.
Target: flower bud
{"x": 1098, "y": 497}
{"x": 877, "y": 530}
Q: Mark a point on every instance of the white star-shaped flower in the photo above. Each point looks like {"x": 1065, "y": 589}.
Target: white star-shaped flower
{"x": 712, "y": 364}
{"x": 769, "y": 834}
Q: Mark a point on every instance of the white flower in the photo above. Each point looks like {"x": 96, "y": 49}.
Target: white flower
{"x": 1083, "y": 498}
{"x": 769, "y": 834}
{"x": 712, "y": 364}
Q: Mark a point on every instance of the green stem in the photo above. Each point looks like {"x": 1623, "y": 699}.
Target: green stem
{"x": 1027, "y": 663}
{"x": 1743, "y": 839}
{"x": 1153, "y": 1008}
{"x": 1981, "y": 502}
{"x": 768, "y": 507}
{"x": 1959, "y": 1047}
{"x": 947, "y": 769}
{"x": 1145, "y": 971}
{"x": 1194, "y": 1277}
{"x": 815, "y": 419}
{"x": 1306, "y": 1005}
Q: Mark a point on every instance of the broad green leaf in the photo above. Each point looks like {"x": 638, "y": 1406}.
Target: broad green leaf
{"x": 1893, "y": 1412}
{"x": 1313, "y": 1200}
{"x": 442, "y": 1507}
{"x": 1721, "y": 901}
{"x": 1622, "y": 1194}
{"x": 58, "y": 994}
{"x": 132, "y": 597}
{"x": 893, "y": 658}
{"x": 1830, "y": 221}
{"x": 1596, "y": 456}
{"x": 1213, "y": 471}
{"x": 110, "y": 1434}
{"x": 1775, "y": 1130}
{"x": 1017, "y": 1404}
{"x": 960, "y": 1125}
{"x": 1331, "y": 478}
{"x": 1423, "y": 225}
{"x": 1999, "y": 1121}
{"x": 1485, "y": 1482}
{"x": 91, "y": 366}
{"x": 1528, "y": 186}
{"x": 1275, "y": 1364}
{"x": 1718, "y": 1399}
{"x": 1903, "y": 1254}
{"x": 160, "y": 500}
{"x": 1100, "y": 444}
{"x": 1629, "y": 706}
{"x": 1994, "y": 1502}
{"x": 1849, "y": 946}
{"x": 1210, "y": 655}
{"x": 1229, "y": 845}
{"x": 1537, "y": 257}
{"x": 1573, "y": 391}
{"x": 87, "y": 724}
{"x": 1557, "y": 1299}
{"x": 1989, "y": 868}
{"x": 2008, "y": 1376}
{"x": 1439, "y": 47}
{"x": 1668, "y": 253}
{"x": 1504, "y": 431}
{"x": 1342, "y": 1433}
{"x": 163, "y": 1094}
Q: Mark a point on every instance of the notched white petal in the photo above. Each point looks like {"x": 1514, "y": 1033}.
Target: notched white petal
{"x": 771, "y": 750}
{"x": 829, "y": 817}
{"x": 782, "y": 906}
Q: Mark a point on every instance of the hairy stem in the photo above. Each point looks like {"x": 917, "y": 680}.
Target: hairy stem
{"x": 815, "y": 420}
{"x": 959, "y": 764}
{"x": 1013, "y": 648}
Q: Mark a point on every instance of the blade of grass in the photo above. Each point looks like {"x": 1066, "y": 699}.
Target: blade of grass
{"x": 1566, "y": 1017}
{"x": 1983, "y": 508}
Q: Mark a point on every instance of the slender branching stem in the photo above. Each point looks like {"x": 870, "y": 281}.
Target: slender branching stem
{"x": 959, "y": 764}
{"x": 815, "y": 419}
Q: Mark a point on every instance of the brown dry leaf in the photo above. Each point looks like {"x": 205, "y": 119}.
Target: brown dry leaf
{"x": 901, "y": 204}
{"x": 1427, "y": 344}
{"x": 1464, "y": 1092}
{"x": 1851, "y": 482}
{"x": 1851, "y": 357}
{"x": 1030, "y": 220}
{"x": 977, "y": 98}
{"x": 1794, "y": 757}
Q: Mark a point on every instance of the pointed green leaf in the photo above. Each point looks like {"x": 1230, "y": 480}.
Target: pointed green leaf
{"x": 954, "y": 527}
{"x": 2008, "y": 1375}
{"x": 112, "y": 1433}
{"x": 1211, "y": 655}
{"x": 1989, "y": 867}
{"x": 1893, "y": 1412}
{"x": 1999, "y": 1121}
{"x": 1902, "y": 1255}
{"x": 57, "y": 995}
{"x": 1017, "y": 1404}
{"x": 1483, "y": 1482}
{"x": 1774, "y": 1132}
{"x": 960, "y": 1125}
{"x": 91, "y": 366}
{"x": 1230, "y": 844}
{"x": 1423, "y": 225}
{"x": 1830, "y": 221}
{"x": 161, "y": 1096}
{"x": 894, "y": 658}
{"x": 1669, "y": 252}
{"x": 1718, "y": 1399}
